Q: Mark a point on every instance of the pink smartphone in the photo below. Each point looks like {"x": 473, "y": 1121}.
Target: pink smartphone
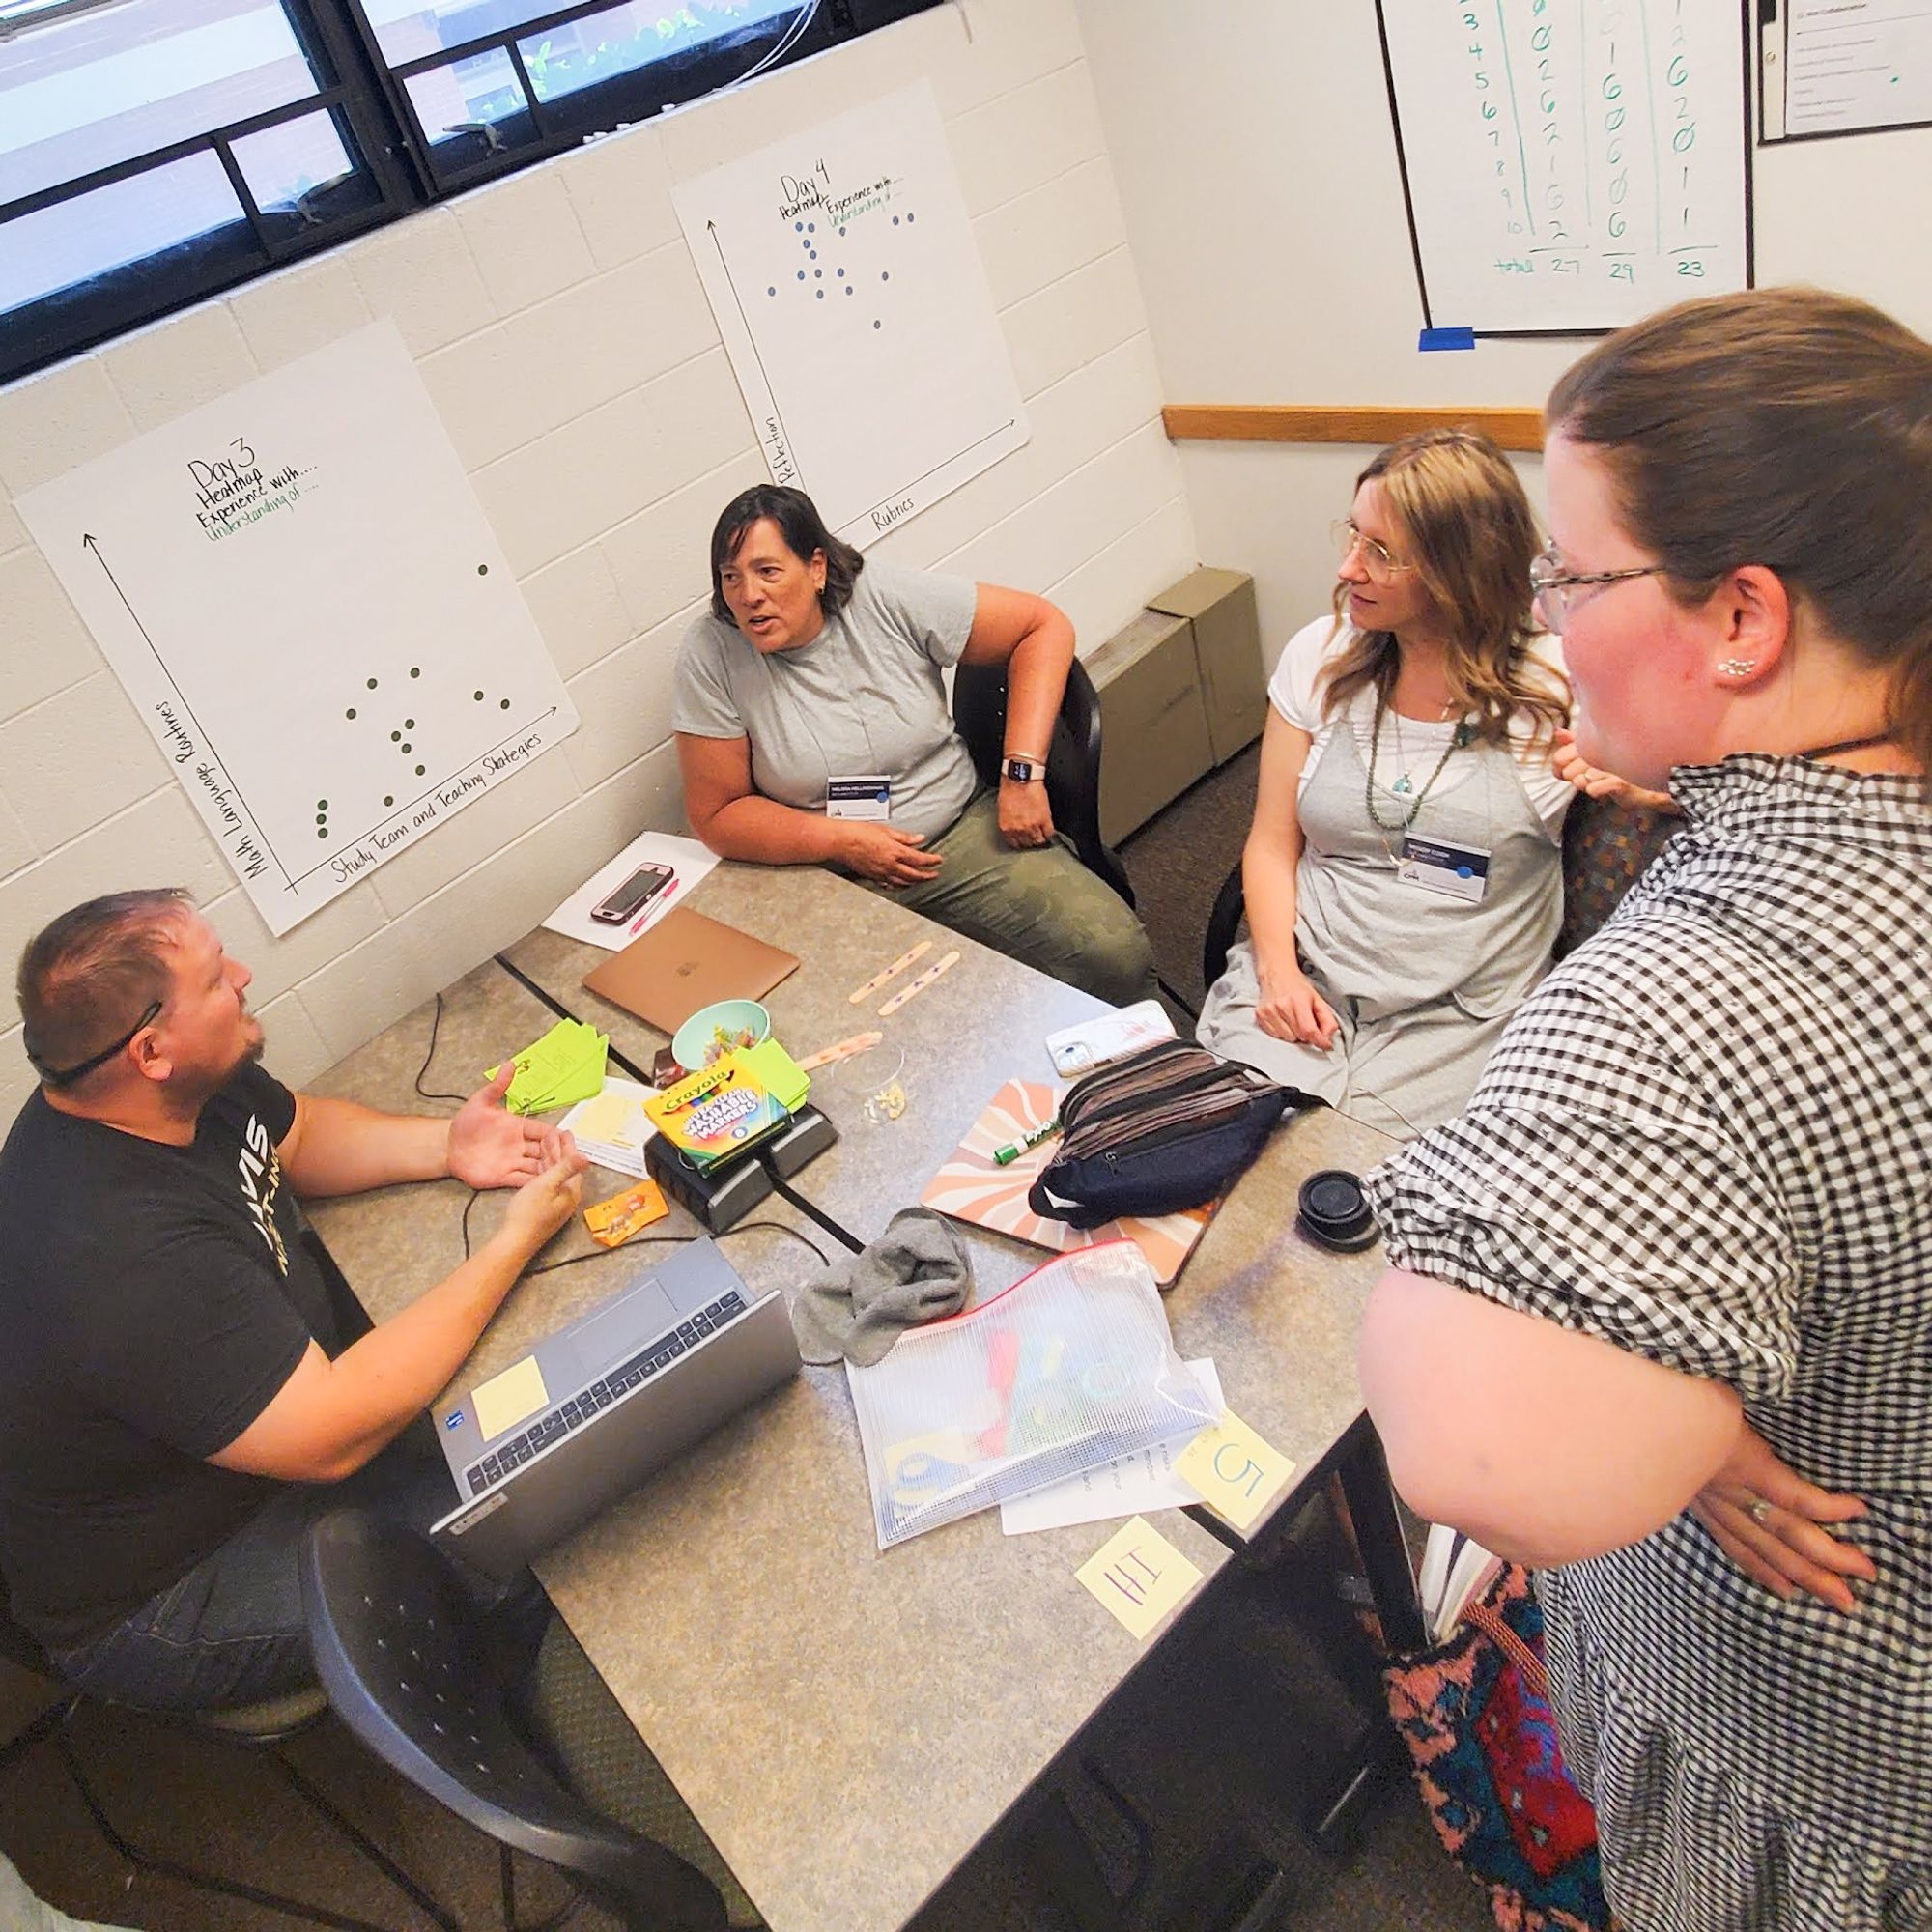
{"x": 632, "y": 896}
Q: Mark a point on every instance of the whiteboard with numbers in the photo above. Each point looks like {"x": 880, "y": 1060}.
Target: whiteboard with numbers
{"x": 1570, "y": 164}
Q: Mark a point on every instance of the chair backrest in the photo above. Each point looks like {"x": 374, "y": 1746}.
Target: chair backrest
{"x": 1072, "y": 760}
{"x": 394, "y": 1645}
{"x": 1606, "y": 848}
{"x": 17, "y": 1643}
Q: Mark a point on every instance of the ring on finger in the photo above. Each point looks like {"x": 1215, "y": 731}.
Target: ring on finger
{"x": 1758, "y": 1510}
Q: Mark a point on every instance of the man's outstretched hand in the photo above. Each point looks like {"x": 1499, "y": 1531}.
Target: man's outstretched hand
{"x": 490, "y": 1147}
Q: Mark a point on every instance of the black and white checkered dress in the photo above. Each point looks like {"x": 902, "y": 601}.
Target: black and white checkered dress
{"x": 1708, "y": 1138}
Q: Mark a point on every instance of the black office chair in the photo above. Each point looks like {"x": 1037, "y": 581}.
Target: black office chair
{"x": 1224, "y": 925}
{"x": 396, "y": 1645}
{"x": 261, "y": 1726}
{"x": 1072, "y": 760}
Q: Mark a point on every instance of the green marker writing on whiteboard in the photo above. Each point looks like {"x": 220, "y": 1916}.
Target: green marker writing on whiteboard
{"x": 1005, "y": 1156}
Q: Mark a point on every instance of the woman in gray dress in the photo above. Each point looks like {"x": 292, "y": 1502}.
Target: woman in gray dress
{"x": 1402, "y": 876}
{"x": 1661, "y": 1318}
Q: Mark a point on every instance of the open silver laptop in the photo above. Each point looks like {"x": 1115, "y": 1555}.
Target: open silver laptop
{"x": 593, "y": 1409}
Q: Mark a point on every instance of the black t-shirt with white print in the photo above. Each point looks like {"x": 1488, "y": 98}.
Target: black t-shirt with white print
{"x": 153, "y": 1301}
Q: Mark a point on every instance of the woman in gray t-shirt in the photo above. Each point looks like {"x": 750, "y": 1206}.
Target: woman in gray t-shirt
{"x": 812, "y": 728}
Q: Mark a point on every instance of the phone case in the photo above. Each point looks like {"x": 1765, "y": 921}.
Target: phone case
{"x": 1080, "y": 1049}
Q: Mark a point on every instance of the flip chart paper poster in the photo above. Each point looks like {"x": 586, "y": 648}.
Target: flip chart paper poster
{"x": 854, "y": 305}
{"x": 298, "y": 589}
{"x": 1571, "y": 164}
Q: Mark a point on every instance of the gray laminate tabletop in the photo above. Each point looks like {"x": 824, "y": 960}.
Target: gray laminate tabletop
{"x": 393, "y": 1242}
{"x": 848, "y": 1724}
{"x": 983, "y": 1022}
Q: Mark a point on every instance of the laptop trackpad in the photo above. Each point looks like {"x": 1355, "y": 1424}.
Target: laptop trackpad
{"x": 614, "y": 1332}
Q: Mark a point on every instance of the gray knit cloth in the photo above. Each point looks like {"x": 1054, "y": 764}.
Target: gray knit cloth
{"x": 916, "y": 1272}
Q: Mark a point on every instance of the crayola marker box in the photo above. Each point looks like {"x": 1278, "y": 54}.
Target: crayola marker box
{"x": 716, "y": 1112}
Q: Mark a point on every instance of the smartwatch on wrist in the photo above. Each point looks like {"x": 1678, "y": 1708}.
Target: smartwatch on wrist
{"x": 1024, "y": 771}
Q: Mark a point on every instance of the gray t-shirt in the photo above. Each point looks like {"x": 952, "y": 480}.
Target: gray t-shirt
{"x": 865, "y": 696}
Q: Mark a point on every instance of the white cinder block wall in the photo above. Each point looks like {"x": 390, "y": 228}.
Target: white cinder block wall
{"x": 562, "y": 330}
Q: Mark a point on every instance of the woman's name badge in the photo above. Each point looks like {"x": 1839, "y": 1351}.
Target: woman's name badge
{"x": 867, "y": 796}
{"x": 1461, "y": 871}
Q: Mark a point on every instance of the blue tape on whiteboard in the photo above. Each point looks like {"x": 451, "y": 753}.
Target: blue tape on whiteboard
{"x": 1445, "y": 338}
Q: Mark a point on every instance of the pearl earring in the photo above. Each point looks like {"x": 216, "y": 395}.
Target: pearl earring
{"x": 1738, "y": 667}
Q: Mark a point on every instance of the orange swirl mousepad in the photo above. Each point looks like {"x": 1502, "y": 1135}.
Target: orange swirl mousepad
{"x": 972, "y": 1186}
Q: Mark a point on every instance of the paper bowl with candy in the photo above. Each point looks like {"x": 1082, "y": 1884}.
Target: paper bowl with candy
{"x": 717, "y": 1029}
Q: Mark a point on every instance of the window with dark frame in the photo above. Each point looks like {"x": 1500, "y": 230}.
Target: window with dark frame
{"x": 155, "y": 152}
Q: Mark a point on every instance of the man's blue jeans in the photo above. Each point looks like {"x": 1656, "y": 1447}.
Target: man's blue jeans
{"x": 231, "y": 1630}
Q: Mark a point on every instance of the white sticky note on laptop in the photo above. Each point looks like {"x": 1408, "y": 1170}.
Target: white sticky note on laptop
{"x": 1127, "y": 1486}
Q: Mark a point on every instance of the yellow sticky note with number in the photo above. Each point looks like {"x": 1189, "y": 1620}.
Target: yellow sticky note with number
{"x": 1139, "y": 1576}
{"x": 1235, "y": 1471}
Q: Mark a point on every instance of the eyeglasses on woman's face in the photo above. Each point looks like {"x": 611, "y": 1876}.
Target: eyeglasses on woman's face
{"x": 1377, "y": 558}
{"x": 1555, "y": 588}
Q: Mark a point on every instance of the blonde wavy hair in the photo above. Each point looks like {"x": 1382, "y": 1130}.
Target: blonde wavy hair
{"x": 1467, "y": 533}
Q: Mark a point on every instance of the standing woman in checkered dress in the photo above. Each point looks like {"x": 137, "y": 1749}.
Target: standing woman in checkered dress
{"x": 1660, "y": 1316}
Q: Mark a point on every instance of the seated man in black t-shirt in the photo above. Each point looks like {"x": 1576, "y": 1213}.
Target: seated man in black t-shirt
{"x": 172, "y": 1382}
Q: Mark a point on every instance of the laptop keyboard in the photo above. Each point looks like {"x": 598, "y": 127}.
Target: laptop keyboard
{"x": 509, "y": 1457}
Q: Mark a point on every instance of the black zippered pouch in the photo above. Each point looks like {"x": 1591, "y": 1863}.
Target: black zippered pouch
{"x": 1171, "y": 1127}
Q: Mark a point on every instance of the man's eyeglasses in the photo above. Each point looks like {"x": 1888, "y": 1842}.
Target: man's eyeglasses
{"x": 1552, "y": 584}
{"x": 66, "y": 1076}
{"x": 1375, "y": 557}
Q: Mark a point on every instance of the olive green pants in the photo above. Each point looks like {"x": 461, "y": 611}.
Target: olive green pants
{"x": 1043, "y": 907}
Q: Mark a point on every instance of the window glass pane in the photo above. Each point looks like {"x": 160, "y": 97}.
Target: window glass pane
{"x": 473, "y": 104}
{"x": 128, "y": 220}
{"x": 304, "y": 173}
{"x": 83, "y": 93}
{"x": 407, "y": 29}
{"x": 283, "y": 164}
{"x": 621, "y": 38}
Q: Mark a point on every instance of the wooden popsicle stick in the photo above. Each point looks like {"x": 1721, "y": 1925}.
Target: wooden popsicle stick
{"x": 844, "y": 1050}
{"x": 914, "y": 987}
{"x": 891, "y": 971}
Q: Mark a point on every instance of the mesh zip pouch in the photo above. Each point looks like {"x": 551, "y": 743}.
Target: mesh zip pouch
{"x": 1170, "y": 1128}
{"x": 1070, "y": 1366}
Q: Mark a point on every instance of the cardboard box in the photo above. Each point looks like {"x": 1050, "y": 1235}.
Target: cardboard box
{"x": 1221, "y": 606}
{"x": 1154, "y": 740}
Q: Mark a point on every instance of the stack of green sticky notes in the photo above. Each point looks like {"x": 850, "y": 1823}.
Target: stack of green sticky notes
{"x": 564, "y": 1066}
{"x": 778, "y": 1074}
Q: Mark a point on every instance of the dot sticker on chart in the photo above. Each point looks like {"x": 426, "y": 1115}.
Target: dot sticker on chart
{"x": 322, "y": 819}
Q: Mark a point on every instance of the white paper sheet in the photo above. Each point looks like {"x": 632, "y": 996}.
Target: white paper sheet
{"x": 841, "y": 264}
{"x": 686, "y": 857}
{"x": 613, "y": 1127}
{"x": 301, "y": 598}
{"x": 1127, "y": 1486}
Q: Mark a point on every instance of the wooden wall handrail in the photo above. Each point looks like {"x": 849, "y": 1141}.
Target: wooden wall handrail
{"x": 1285, "y": 423}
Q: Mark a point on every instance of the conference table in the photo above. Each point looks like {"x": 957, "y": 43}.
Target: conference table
{"x": 848, "y": 1724}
